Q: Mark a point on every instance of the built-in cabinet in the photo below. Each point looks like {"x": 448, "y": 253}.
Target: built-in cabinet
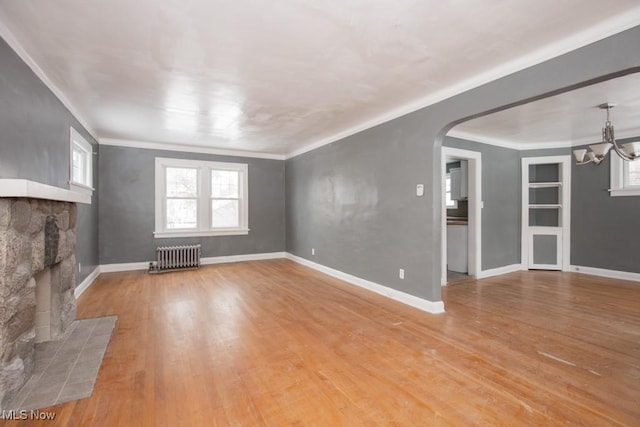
{"x": 546, "y": 212}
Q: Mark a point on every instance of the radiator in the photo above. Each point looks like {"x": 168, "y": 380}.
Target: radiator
{"x": 169, "y": 258}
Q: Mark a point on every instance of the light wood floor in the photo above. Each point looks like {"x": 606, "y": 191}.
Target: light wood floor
{"x": 275, "y": 343}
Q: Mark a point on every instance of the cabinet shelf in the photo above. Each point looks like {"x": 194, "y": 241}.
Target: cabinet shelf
{"x": 544, "y": 184}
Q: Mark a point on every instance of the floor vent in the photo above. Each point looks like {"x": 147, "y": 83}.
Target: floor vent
{"x": 171, "y": 258}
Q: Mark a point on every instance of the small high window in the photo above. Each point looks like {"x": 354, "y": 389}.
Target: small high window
{"x": 81, "y": 161}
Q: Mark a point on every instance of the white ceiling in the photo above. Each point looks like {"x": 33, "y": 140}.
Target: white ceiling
{"x": 571, "y": 118}
{"x": 281, "y": 76}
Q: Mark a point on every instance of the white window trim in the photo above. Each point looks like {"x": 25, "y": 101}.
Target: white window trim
{"x": 618, "y": 187}
{"x": 204, "y": 198}
{"x": 77, "y": 140}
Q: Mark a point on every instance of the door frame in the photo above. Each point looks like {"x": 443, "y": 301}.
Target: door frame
{"x": 565, "y": 189}
{"x": 474, "y": 159}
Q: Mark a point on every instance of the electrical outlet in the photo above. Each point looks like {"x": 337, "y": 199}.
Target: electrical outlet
{"x": 313, "y": 251}
{"x": 79, "y": 268}
{"x": 401, "y": 273}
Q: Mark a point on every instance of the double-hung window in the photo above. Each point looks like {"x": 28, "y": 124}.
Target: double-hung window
{"x": 81, "y": 161}
{"x": 200, "y": 198}
{"x": 625, "y": 177}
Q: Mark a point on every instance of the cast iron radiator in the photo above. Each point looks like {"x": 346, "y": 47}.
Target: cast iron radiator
{"x": 170, "y": 258}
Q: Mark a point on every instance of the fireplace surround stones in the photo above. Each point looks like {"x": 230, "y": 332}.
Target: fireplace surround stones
{"x": 35, "y": 235}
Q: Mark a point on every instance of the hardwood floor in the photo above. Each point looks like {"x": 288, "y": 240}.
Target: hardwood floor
{"x": 275, "y": 343}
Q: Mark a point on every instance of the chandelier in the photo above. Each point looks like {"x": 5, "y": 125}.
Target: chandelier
{"x": 597, "y": 152}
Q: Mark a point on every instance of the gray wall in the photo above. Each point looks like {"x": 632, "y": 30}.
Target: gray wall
{"x": 604, "y": 229}
{"x": 501, "y": 195}
{"x": 546, "y": 152}
{"x": 127, "y": 206}
{"x": 354, "y": 200}
{"x": 34, "y": 144}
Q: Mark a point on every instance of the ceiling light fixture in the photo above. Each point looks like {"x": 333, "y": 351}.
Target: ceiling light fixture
{"x": 598, "y": 152}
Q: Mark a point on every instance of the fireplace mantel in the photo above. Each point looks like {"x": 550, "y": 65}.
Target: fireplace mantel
{"x": 37, "y": 190}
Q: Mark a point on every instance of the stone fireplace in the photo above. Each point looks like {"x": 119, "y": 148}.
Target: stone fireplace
{"x": 37, "y": 282}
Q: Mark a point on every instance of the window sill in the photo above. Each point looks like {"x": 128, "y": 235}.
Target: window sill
{"x": 80, "y": 188}
{"x": 205, "y": 233}
{"x": 617, "y": 192}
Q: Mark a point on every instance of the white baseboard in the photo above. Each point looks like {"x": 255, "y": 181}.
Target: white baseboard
{"x": 128, "y": 266}
{"x": 240, "y": 258}
{"x": 88, "y": 281}
{"x": 132, "y": 266}
{"x": 433, "y": 307}
{"x": 499, "y": 270}
{"x": 602, "y": 272}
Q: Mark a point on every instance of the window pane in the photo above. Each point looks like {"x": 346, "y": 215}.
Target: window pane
{"x": 182, "y": 182}
{"x": 182, "y": 213}
{"x": 224, "y": 183}
{"x": 225, "y": 213}
{"x": 447, "y": 192}
{"x": 634, "y": 173}
{"x": 79, "y": 166}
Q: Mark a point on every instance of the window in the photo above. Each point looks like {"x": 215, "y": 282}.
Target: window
{"x": 632, "y": 174}
{"x": 225, "y": 198}
{"x": 199, "y": 198}
{"x": 625, "y": 177}
{"x": 451, "y": 204}
{"x": 81, "y": 174}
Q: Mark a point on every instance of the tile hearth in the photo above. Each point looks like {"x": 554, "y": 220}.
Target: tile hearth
{"x": 67, "y": 369}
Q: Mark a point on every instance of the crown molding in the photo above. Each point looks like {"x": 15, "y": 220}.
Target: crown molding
{"x": 468, "y": 136}
{"x": 473, "y": 137}
{"x": 605, "y": 29}
{"x": 187, "y": 148}
{"x": 17, "y": 47}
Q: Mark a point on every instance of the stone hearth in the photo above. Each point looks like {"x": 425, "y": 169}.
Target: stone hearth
{"x": 34, "y": 235}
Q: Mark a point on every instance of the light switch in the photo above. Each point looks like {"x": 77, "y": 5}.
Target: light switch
{"x": 420, "y": 190}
